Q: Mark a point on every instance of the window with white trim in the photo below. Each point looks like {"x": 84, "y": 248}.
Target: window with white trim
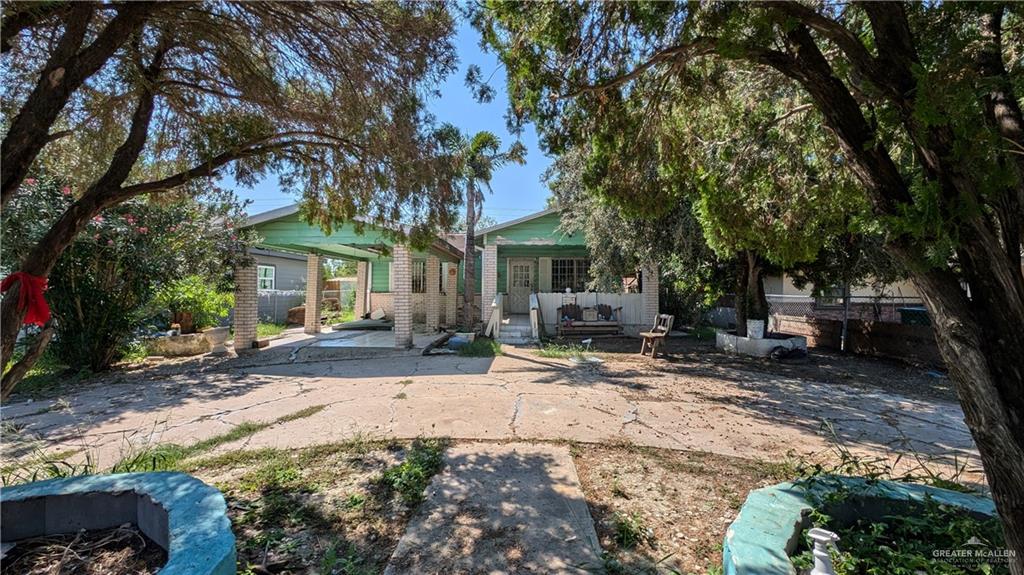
{"x": 265, "y": 277}
{"x": 572, "y": 273}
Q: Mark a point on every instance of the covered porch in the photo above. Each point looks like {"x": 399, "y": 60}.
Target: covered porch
{"x": 373, "y": 248}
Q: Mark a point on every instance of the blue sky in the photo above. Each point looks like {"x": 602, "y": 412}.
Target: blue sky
{"x": 518, "y": 190}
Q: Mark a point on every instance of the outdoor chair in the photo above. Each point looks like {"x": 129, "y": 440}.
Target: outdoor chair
{"x": 657, "y": 335}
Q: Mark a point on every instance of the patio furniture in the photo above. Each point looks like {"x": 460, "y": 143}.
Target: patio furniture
{"x": 657, "y": 335}
{"x": 571, "y": 322}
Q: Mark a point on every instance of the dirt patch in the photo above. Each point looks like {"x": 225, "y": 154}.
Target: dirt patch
{"x": 122, "y": 550}
{"x": 824, "y": 366}
{"x": 322, "y": 509}
{"x": 664, "y": 511}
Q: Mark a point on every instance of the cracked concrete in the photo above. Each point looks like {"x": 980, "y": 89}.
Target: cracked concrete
{"x": 731, "y": 409}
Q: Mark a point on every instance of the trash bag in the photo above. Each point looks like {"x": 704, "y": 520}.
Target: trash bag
{"x": 785, "y": 355}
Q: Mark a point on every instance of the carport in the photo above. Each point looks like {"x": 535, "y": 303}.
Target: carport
{"x": 284, "y": 230}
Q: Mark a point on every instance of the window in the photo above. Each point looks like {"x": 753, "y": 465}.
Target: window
{"x": 831, "y": 297}
{"x": 265, "y": 277}
{"x": 573, "y": 273}
{"x": 419, "y": 276}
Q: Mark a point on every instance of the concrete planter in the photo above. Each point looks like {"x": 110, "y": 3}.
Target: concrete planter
{"x": 177, "y": 511}
{"x": 217, "y": 336}
{"x": 757, "y": 347}
{"x": 178, "y": 345}
{"x": 767, "y": 530}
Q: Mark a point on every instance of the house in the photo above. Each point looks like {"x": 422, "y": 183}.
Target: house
{"x": 281, "y": 283}
{"x": 525, "y": 257}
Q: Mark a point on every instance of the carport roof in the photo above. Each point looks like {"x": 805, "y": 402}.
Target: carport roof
{"x": 284, "y": 229}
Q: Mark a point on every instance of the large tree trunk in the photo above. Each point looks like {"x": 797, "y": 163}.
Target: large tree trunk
{"x": 469, "y": 261}
{"x": 751, "y": 301}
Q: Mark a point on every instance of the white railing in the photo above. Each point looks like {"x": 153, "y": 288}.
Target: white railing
{"x": 493, "y": 328}
{"x": 631, "y": 303}
{"x": 536, "y": 319}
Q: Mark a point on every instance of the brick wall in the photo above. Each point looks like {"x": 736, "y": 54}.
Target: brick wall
{"x": 361, "y": 278}
{"x": 489, "y": 277}
{"x": 314, "y": 277}
{"x": 650, "y": 294}
{"x": 401, "y": 269}
{"x": 913, "y": 343}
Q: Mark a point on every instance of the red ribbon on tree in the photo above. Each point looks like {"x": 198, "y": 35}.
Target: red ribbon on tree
{"x": 30, "y": 297}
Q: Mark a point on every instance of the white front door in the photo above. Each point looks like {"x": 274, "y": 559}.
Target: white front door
{"x": 520, "y": 285}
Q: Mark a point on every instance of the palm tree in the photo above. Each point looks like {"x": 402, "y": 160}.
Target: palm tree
{"x": 472, "y": 163}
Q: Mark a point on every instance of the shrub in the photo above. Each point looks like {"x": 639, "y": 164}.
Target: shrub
{"x": 102, "y": 288}
{"x": 193, "y": 294}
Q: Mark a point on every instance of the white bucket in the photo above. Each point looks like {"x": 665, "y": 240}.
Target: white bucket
{"x": 755, "y": 328}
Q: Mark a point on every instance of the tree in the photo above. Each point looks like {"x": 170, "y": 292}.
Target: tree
{"x": 472, "y": 163}
{"x": 917, "y": 98}
{"x": 484, "y": 221}
{"x": 141, "y": 98}
{"x": 103, "y": 286}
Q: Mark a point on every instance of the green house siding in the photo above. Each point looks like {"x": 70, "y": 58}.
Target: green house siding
{"x": 380, "y": 276}
{"x": 537, "y": 232}
{"x": 462, "y": 271}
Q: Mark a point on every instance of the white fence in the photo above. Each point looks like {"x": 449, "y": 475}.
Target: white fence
{"x": 632, "y": 305}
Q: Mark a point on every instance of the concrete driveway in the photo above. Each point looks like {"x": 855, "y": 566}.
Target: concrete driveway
{"x": 699, "y": 401}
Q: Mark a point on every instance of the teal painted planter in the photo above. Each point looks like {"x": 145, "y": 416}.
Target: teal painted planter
{"x": 768, "y": 527}
{"x": 185, "y": 516}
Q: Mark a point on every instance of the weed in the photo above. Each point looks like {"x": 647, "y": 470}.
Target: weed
{"x": 630, "y": 530}
{"x": 401, "y": 395}
{"x": 301, "y": 414}
{"x": 355, "y": 501}
{"x": 555, "y": 350}
{"x": 618, "y": 490}
{"x": 409, "y": 478}
{"x": 481, "y": 347}
{"x": 42, "y": 465}
{"x": 405, "y": 382}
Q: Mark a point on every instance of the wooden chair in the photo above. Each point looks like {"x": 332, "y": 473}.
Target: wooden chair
{"x": 653, "y": 338}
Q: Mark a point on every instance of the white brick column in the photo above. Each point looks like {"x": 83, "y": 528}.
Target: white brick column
{"x": 362, "y": 276}
{"x": 650, "y": 294}
{"x": 401, "y": 283}
{"x": 246, "y": 301}
{"x": 451, "y": 294}
{"x": 314, "y": 293}
{"x": 433, "y": 279}
{"x": 489, "y": 285}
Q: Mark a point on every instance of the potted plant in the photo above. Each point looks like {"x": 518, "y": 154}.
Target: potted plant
{"x": 194, "y": 298}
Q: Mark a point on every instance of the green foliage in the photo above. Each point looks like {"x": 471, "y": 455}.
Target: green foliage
{"x": 193, "y": 294}
{"x": 102, "y": 288}
{"x": 424, "y": 458}
{"x": 264, "y": 329}
{"x": 902, "y": 543}
{"x": 630, "y": 530}
{"x": 554, "y": 350}
{"x": 481, "y": 347}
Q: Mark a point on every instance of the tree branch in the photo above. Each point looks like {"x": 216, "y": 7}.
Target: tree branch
{"x": 23, "y": 16}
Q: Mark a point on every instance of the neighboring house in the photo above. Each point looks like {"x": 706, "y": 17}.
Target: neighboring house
{"x": 280, "y": 281}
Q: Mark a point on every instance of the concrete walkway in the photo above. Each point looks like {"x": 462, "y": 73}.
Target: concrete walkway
{"x": 737, "y": 409}
{"x": 510, "y": 508}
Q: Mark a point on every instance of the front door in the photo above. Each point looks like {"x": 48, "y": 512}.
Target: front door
{"x": 520, "y": 285}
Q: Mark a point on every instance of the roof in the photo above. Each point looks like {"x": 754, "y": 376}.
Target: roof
{"x": 517, "y": 221}
{"x": 440, "y": 245}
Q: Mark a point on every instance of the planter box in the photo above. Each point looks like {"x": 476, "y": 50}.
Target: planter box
{"x": 768, "y": 527}
{"x": 177, "y": 511}
{"x": 178, "y": 345}
{"x": 757, "y": 347}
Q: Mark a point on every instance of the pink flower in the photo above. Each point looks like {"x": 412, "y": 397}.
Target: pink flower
{"x": 96, "y": 237}
{"x": 30, "y": 181}
{"x": 98, "y": 219}
{"x": 172, "y": 229}
{"x": 234, "y": 237}
{"x": 143, "y": 230}
{"x": 230, "y": 225}
{"x": 66, "y": 191}
{"x": 110, "y": 242}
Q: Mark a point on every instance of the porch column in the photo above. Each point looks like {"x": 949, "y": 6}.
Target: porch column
{"x": 433, "y": 279}
{"x": 451, "y": 294}
{"x": 314, "y": 293}
{"x": 401, "y": 281}
{"x": 361, "y": 277}
{"x": 489, "y": 284}
{"x": 649, "y": 296}
{"x": 246, "y": 302}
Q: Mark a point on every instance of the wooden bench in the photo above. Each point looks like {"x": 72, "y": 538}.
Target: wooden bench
{"x": 657, "y": 335}
{"x": 571, "y": 322}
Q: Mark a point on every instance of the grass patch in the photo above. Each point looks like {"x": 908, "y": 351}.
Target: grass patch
{"x": 481, "y": 347}
{"x": 555, "y": 350}
{"x": 410, "y": 477}
{"x": 168, "y": 456}
{"x": 342, "y": 316}
{"x": 46, "y": 377}
{"x": 703, "y": 333}
{"x": 266, "y": 329}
